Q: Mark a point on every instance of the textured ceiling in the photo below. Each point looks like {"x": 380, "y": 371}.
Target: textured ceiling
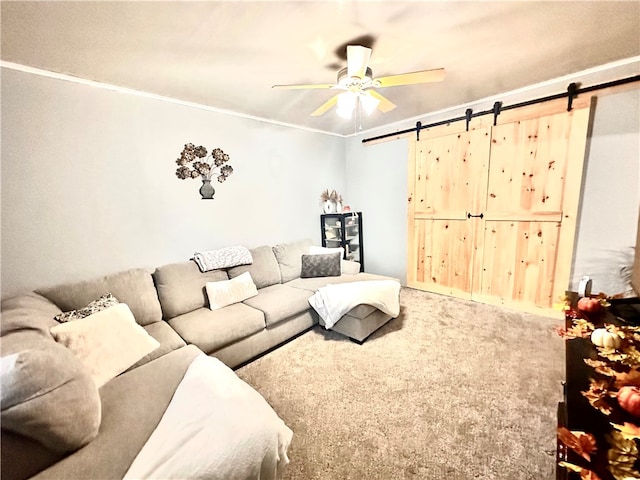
{"x": 227, "y": 55}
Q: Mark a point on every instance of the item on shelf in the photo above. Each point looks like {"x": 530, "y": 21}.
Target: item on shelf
{"x": 331, "y": 201}
{"x": 344, "y": 230}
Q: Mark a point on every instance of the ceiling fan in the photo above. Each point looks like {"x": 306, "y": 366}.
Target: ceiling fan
{"x": 358, "y": 85}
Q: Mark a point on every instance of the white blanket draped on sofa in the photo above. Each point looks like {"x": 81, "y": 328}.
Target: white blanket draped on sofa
{"x": 216, "y": 427}
{"x": 333, "y": 301}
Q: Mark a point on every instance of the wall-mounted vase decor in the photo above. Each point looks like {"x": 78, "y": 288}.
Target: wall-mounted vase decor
{"x": 203, "y": 166}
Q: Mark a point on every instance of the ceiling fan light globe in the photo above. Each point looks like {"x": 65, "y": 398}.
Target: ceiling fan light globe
{"x": 345, "y": 113}
{"x": 369, "y": 103}
{"x": 347, "y": 101}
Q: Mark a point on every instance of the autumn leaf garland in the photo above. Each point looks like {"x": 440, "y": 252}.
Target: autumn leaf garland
{"x": 614, "y": 368}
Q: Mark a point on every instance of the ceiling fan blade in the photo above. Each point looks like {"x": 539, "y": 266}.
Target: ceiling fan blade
{"x": 385, "y": 104}
{"x": 357, "y": 60}
{"x": 325, "y": 106}
{"x": 301, "y": 87}
{"x": 424, "y": 76}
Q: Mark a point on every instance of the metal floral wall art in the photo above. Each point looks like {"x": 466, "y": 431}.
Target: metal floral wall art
{"x": 194, "y": 162}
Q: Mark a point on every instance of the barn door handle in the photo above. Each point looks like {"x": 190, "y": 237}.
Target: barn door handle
{"x": 480, "y": 216}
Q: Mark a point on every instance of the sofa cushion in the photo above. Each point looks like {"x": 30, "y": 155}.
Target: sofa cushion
{"x": 181, "y": 287}
{"x": 47, "y": 395}
{"x": 210, "y": 330}
{"x": 22, "y": 457}
{"x": 280, "y": 302}
{"x": 133, "y": 287}
{"x": 264, "y": 270}
{"x": 320, "y": 265}
{"x": 227, "y": 292}
{"x": 107, "y": 342}
{"x": 289, "y": 256}
{"x": 167, "y": 337}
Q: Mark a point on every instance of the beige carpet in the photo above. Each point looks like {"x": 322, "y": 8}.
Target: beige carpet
{"x": 450, "y": 389}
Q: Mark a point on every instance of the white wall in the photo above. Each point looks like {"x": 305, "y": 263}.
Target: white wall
{"x": 88, "y": 182}
{"x": 377, "y": 186}
{"x": 610, "y": 203}
{"x": 89, "y": 185}
{"x": 377, "y": 177}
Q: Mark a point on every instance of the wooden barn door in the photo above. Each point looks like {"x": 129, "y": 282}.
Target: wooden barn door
{"x": 492, "y": 211}
{"x": 450, "y": 180}
{"x": 535, "y": 176}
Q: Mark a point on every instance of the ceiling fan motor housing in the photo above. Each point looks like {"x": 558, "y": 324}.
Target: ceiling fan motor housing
{"x": 354, "y": 82}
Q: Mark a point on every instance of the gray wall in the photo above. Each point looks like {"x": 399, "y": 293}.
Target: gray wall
{"x": 611, "y": 197}
{"x": 608, "y": 219}
{"x": 89, "y": 185}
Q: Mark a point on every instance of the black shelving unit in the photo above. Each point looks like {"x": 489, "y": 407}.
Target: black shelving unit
{"x": 344, "y": 230}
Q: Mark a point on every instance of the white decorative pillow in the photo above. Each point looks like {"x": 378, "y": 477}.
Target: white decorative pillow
{"x": 107, "y": 342}
{"x": 226, "y": 257}
{"x": 226, "y": 292}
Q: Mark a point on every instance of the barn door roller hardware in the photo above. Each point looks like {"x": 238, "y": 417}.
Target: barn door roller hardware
{"x": 573, "y": 90}
{"x": 467, "y": 115}
{"x": 481, "y": 215}
{"x": 496, "y": 111}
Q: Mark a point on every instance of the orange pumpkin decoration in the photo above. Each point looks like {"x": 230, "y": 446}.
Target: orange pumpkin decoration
{"x": 629, "y": 400}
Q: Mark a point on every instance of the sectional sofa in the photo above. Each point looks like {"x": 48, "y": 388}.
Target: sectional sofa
{"x": 57, "y": 423}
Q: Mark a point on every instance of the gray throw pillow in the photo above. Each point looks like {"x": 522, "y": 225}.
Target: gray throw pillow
{"x": 322, "y": 265}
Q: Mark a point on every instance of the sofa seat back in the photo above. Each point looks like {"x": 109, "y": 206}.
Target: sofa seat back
{"x": 133, "y": 287}
{"x": 181, "y": 287}
{"x": 264, "y": 270}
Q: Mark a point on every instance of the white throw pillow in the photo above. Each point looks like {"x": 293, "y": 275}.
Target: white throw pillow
{"x": 107, "y": 342}
{"x": 314, "y": 250}
{"x": 227, "y": 292}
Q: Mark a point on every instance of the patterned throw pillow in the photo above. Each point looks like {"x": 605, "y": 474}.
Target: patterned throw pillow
{"x": 321, "y": 265}
{"x": 105, "y": 301}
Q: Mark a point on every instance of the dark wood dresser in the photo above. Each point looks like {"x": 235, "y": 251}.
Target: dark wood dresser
{"x": 575, "y": 412}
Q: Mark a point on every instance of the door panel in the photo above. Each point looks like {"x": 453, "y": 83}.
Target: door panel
{"x": 528, "y": 166}
{"x": 449, "y": 177}
{"x": 524, "y": 211}
{"x": 518, "y": 262}
{"x": 444, "y": 255}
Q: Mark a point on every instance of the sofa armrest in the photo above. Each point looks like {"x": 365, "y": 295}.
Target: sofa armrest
{"x": 350, "y": 267}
